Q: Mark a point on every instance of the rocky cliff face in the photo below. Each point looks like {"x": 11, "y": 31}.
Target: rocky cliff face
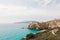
{"x": 52, "y": 32}
{"x": 45, "y": 25}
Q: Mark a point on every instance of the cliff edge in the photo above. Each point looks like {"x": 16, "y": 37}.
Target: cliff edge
{"x": 49, "y": 30}
{"x": 53, "y": 34}
{"x": 45, "y": 25}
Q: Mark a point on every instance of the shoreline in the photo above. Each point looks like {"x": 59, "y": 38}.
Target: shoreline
{"x": 46, "y": 28}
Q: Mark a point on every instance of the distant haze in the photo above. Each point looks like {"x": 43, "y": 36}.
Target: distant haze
{"x": 26, "y": 10}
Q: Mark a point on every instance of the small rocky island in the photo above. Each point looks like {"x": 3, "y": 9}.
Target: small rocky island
{"x": 49, "y": 30}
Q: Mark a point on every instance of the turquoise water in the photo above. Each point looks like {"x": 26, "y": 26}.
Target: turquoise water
{"x": 14, "y": 31}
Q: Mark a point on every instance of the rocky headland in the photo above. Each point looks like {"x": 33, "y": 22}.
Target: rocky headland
{"x": 45, "y": 25}
{"x": 49, "y": 30}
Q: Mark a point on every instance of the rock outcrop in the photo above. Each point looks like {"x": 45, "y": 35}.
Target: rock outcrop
{"x": 45, "y": 25}
{"x": 38, "y": 26}
{"x": 49, "y": 30}
{"x": 53, "y": 34}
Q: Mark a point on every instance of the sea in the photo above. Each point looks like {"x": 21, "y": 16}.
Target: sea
{"x": 15, "y": 31}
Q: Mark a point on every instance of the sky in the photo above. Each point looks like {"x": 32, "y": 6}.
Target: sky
{"x": 26, "y": 10}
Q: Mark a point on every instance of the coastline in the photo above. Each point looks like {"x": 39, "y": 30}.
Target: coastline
{"x": 51, "y": 33}
{"x": 44, "y": 35}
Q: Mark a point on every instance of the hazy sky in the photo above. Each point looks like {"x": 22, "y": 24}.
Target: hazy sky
{"x": 22, "y": 10}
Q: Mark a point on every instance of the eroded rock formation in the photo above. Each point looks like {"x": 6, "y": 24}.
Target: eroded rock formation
{"x": 45, "y": 25}
{"x": 53, "y": 34}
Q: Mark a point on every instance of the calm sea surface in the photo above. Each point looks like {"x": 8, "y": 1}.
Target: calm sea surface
{"x": 14, "y": 31}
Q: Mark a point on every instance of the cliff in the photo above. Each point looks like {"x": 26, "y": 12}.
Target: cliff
{"x": 45, "y": 25}
{"x": 50, "y": 30}
{"x": 53, "y": 34}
